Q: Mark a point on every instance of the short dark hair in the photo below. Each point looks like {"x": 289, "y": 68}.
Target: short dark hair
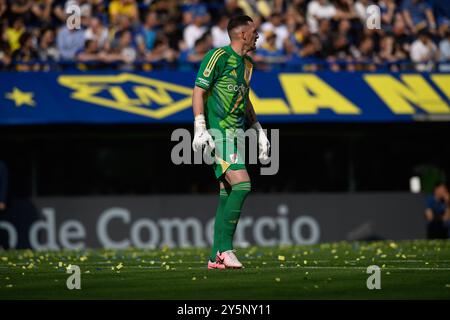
{"x": 24, "y": 38}
{"x": 237, "y": 21}
{"x": 438, "y": 184}
{"x": 424, "y": 33}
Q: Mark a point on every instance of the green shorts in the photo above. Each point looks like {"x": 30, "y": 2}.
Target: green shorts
{"x": 227, "y": 155}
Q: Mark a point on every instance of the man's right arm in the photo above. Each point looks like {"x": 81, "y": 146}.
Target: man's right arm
{"x": 206, "y": 76}
{"x": 429, "y": 214}
{"x": 201, "y": 134}
{"x": 198, "y": 100}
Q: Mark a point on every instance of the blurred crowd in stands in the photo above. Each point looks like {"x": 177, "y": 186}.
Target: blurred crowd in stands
{"x": 305, "y": 35}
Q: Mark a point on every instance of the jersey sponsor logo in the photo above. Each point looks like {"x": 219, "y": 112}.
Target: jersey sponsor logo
{"x": 234, "y": 87}
{"x": 129, "y": 93}
{"x": 234, "y": 158}
{"x": 212, "y": 62}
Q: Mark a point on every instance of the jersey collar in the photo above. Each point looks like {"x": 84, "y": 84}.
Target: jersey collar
{"x": 230, "y": 50}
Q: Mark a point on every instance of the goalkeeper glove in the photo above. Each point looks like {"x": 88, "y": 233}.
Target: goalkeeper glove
{"x": 263, "y": 142}
{"x": 202, "y": 138}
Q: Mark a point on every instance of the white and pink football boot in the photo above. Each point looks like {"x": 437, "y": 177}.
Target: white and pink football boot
{"x": 229, "y": 260}
{"x": 215, "y": 265}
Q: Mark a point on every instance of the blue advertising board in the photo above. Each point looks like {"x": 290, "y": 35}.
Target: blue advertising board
{"x": 165, "y": 96}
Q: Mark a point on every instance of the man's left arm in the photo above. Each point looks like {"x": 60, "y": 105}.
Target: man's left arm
{"x": 250, "y": 115}
{"x": 252, "y": 121}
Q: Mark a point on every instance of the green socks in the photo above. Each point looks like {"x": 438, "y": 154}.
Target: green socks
{"x": 218, "y": 224}
{"x": 227, "y": 216}
{"x": 232, "y": 212}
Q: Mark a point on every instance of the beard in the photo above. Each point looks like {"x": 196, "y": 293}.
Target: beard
{"x": 252, "y": 46}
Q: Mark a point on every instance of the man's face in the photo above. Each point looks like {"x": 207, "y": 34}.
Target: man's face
{"x": 276, "y": 20}
{"x": 249, "y": 36}
{"x": 441, "y": 192}
{"x": 423, "y": 39}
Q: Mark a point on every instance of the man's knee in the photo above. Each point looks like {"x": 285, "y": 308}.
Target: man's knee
{"x": 242, "y": 187}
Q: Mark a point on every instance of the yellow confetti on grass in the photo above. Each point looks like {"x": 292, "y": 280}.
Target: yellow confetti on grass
{"x": 194, "y": 278}
{"x": 83, "y": 258}
{"x": 305, "y": 262}
{"x": 277, "y": 279}
{"x": 5, "y": 259}
{"x": 119, "y": 266}
{"x": 31, "y": 265}
{"x": 60, "y": 264}
{"x": 281, "y": 258}
{"x": 393, "y": 245}
{"x": 9, "y": 285}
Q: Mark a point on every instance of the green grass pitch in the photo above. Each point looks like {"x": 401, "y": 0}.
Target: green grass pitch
{"x": 409, "y": 270}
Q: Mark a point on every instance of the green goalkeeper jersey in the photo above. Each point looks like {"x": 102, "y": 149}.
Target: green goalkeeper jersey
{"x": 226, "y": 77}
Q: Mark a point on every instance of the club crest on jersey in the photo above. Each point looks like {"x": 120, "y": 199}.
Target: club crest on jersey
{"x": 207, "y": 72}
{"x": 233, "y": 158}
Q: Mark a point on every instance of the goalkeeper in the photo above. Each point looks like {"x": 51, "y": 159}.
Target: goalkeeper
{"x": 221, "y": 104}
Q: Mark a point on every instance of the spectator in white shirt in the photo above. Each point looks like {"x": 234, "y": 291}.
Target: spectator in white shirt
{"x": 319, "y": 9}
{"x": 194, "y": 30}
{"x": 97, "y": 32}
{"x": 423, "y": 51}
{"x": 444, "y": 48}
{"x": 219, "y": 33}
{"x": 275, "y": 24}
